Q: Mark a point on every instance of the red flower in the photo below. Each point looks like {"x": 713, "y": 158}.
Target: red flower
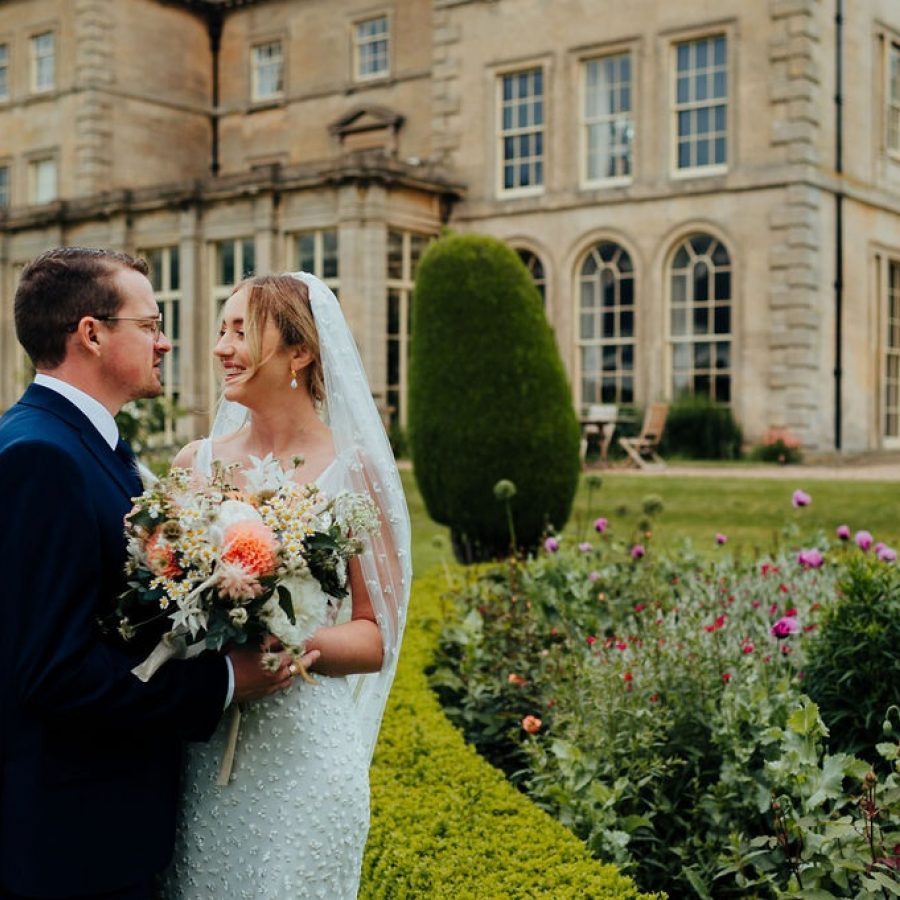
{"x": 654, "y": 698}
{"x": 784, "y": 588}
{"x": 591, "y": 640}
{"x": 628, "y": 677}
{"x": 747, "y": 648}
{"x": 621, "y": 645}
{"x": 726, "y": 677}
{"x": 640, "y": 607}
{"x": 790, "y": 612}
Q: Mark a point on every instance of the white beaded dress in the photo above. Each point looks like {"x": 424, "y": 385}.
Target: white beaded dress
{"x": 292, "y": 822}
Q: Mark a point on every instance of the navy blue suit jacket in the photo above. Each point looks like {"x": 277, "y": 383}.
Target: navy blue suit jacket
{"x": 89, "y": 755}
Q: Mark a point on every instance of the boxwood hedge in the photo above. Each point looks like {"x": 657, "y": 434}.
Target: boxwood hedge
{"x": 445, "y": 824}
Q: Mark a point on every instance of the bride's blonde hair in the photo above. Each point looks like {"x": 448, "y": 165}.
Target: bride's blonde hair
{"x": 284, "y": 300}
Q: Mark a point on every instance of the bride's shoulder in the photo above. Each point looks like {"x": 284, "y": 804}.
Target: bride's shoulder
{"x": 184, "y": 458}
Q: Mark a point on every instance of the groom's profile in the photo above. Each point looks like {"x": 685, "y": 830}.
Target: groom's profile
{"x": 89, "y": 754}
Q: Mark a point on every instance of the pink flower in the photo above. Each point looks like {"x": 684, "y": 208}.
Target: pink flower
{"x": 887, "y": 554}
{"x": 800, "y": 498}
{"x": 591, "y": 640}
{"x": 593, "y": 575}
{"x": 600, "y": 525}
{"x": 531, "y": 724}
{"x": 236, "y": 582}
{"x": 785, "y": 626}
{"x": 843, "y": 532}
{"x": 637, "y": 551}
{"x": 721, "y": 538}
{"x": 551, "y": 545}
{"x": 585, "y": 547}
{"x": 747, "y": 648}
{"x": 863, "y": 540}
{"x": 810, "y": 559}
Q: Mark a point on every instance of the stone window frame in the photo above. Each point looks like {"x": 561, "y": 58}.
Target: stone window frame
{"x": 671, "y": 41}
{"x": 690, "y": 337}
{"x": 33, "y": 161}
{"x": 6, "y": 68}
{"x": 35, "y": 59}
{"x": 599, "y": 54}
{"x": 170, "y": 298}
{"x": 256, "y": 65}
{"x": 533, "y": 260}
{"x": 325, "y": 247}
{"x": 361, "y": 43}
{"x": 499, "y": 73}
{"x": 616, "y": 341}
{"x": 892, "y": 95}
{"x": 400, "y": 271}
{"x": 887, "y": 262}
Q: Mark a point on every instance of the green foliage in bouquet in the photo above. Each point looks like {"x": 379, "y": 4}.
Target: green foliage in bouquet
{"x": 488, "y": 399}
{"x": 698, "y": 427}
{"x": 446, "y": 825}
{"x": 853, "y": 671}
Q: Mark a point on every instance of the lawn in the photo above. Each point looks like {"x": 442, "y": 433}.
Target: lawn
{"x": 752, "y": 512}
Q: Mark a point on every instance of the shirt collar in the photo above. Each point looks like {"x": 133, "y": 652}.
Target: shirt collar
{"x": 100, "y": 417}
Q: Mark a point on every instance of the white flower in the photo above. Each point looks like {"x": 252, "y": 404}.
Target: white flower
{"x": 309, "y": 603}
{"x": 265, "y": 474}
{"x": 231, "y": 512}
{"x": 238, "y": 615}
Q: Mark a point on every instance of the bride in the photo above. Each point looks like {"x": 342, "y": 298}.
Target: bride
{"x": 293, "y": 819}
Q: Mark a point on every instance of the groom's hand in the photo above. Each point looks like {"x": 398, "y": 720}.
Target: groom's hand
{"x": 252, "y": 680}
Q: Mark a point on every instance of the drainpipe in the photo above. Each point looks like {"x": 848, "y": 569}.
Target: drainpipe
{"x": 838, "y": 220}
{"x": 214, "y": 25}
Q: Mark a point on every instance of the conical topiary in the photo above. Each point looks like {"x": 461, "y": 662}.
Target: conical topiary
{"x": 488, "y": 399}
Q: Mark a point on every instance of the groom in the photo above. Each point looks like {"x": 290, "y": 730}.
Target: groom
{"x": 89, "y": 754}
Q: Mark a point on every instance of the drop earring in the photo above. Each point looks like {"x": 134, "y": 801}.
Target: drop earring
{"x": 293, "y": 380}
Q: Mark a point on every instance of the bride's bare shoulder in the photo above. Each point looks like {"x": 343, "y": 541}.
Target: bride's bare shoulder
{"x": 184, "y": 458}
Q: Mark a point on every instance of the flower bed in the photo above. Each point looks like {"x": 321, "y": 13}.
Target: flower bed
{"x": 656, "y": 706}
{"x": 447, "y": 825}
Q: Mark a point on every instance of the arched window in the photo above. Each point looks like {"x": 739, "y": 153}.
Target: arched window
{"x": 700, "y": 319}
{"x": 606, "y": 325}
{"x": 536, "y": 270}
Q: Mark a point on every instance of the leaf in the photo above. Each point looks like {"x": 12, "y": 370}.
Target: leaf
{"x": 804, "y": 720}
{"x": 697, "y": 884}
{"x": 828, "y": 782}
{"x": 879, "y": 879}
{"x": 285, "y": 602}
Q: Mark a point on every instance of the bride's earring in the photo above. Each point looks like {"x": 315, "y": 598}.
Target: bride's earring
{"x": 293, "y": 380}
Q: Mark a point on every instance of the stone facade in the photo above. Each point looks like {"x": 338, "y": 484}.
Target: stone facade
{"x": 164, "y": 139}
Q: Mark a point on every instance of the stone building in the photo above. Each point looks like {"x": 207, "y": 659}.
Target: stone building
{"x": 707, "y": 192}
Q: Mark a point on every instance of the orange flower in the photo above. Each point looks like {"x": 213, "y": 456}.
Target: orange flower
{"x": 516, "y": 679}
{"x": 531, "y": 724}
{"x": 161, "y": 558}
{"x": 251, "y": 545}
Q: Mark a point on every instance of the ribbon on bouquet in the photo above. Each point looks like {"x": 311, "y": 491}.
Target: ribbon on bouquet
{"x": 173, "y": 646}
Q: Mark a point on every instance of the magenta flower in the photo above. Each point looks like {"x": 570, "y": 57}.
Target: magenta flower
{"x": 637, "y": 551}
{"x": 551, "y": 545}
{"x": 863, "y": 540}
{"x": 600, "y": 525}
{"x": 843, "y": 532}
{"x": 785, "y": 627}
{"x": 721, "y": 538}
{"x": 887, "y": 554}
{"x": 585, "y": 547}
{"x": 810, "y": 559}
{"x": 593, "y": 576}
{"x": 800, "y": 498}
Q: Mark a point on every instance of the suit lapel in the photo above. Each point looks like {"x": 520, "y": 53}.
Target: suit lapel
{"x": 55, "y": 404}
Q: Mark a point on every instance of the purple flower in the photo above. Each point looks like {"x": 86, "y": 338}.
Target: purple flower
{"x": 600, "y": 525}
{"x": 800, "y": 498}
{"x": 585, "y": 547}
{"x": 843, "y": 532}
{"x": 721, "y": 538}
{"x": 863, "y": 540}
{"x": 593, "y": 576}
{"x": 887, "y": 554}
{"x": 551, "y": 545}
{"x": 637, "y": 551}
{"x": 810, "y": 559}
{"x": 785, "y": 626}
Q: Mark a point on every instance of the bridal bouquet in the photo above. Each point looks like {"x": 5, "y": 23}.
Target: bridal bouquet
{"x": 211, "y": 565}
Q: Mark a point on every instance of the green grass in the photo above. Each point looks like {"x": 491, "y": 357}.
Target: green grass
{"x": 752, "y": 512}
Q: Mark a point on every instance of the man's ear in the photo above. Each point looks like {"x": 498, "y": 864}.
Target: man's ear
{"x": 87, "y": 335}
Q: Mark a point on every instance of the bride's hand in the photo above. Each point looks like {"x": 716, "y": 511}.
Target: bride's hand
{"x": 253, "y": 680}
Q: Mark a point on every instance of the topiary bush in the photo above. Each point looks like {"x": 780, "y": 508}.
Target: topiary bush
{"x": 853, "y": 667}
{"x": 700, "y": 428}
{"x": 488, "y": 399}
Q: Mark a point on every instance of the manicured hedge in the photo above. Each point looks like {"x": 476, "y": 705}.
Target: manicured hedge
{"x": 445, "y": 824}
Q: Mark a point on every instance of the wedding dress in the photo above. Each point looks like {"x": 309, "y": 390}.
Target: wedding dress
{"x": 293, "y": 820}
{"x": 292, "y": 823}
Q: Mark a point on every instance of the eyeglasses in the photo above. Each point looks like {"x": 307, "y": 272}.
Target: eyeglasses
{"x": 151, "y": 324}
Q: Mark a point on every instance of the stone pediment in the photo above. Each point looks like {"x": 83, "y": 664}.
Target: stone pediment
{"x": 367, "y": 128}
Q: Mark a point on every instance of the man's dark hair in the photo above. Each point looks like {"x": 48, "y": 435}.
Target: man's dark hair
{"x": 58, "y": 289}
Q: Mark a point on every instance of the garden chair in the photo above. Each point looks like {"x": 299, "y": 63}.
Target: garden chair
{"x": 642, "y": 449}
{"x": 599, "y": 418}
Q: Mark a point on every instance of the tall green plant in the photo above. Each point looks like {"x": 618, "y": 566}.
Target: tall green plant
{"x": 700, "y": 428}
{"x": 488, "y": 399}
